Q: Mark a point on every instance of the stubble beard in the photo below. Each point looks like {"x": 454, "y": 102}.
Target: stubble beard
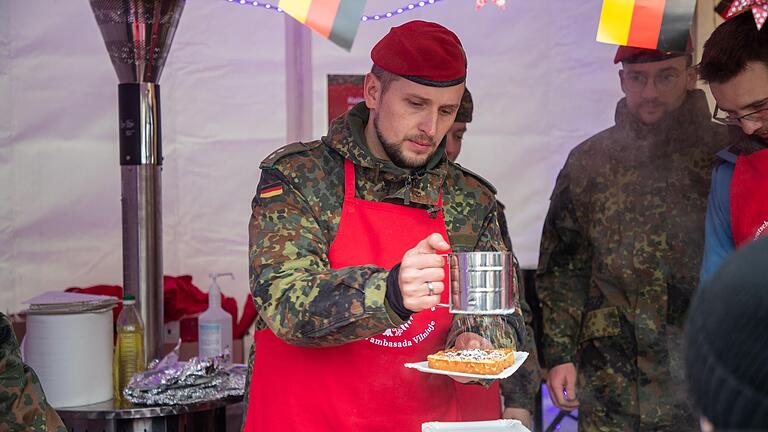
{"x": 394, "y": 151}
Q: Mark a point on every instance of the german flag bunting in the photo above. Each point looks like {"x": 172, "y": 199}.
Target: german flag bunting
{"x": 652, "y": 24}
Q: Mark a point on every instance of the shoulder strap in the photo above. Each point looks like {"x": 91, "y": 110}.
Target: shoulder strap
{"x": 293, "y": 148}
{"x": 485, "y": 182}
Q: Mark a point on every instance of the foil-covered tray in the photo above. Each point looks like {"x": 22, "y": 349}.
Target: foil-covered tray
{"x": 171, "y": 382}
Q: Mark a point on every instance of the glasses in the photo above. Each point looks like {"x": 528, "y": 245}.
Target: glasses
{"x": 664, "y": 81}
{"x": 727, "y": 119}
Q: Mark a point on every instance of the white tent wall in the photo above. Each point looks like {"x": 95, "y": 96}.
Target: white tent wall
{"x": 541, "y": 85}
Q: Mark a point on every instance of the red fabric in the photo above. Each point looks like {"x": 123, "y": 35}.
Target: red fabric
{"x": 363, "y": 384}
{"x": 477, "y": 403}
{"x": 421, "y": 49}
{"x": 749, "y": 198}
{"x": 182, "y": 299}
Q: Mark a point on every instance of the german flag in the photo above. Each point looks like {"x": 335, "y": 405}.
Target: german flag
{"x": 336, "y": 20}
{"x": 652, "y": 24}
{"x": 270, "y": 191}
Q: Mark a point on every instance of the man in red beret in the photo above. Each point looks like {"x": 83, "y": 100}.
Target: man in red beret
{"x": 345, "y": 237}
{"x": 621, "y": 249}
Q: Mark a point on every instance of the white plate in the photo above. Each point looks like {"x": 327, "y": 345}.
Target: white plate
{"x": 475, "y": 426}
{"x": 520, "y": 357}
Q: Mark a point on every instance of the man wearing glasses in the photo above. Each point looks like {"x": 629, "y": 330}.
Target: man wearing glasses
{"x": 735, "y": 64}
{"x": 621, "y": 251}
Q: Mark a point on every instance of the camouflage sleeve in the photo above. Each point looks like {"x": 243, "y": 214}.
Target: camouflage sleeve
{"x": 519, "y": 390}
{"x": 491, "y": 239}
{"x": 22, "y": 402}
{"x": 298, "y": 296}
{"x": 562, "y": 279}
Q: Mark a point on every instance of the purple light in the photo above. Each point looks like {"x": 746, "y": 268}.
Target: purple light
{"x": 377, "y": 17}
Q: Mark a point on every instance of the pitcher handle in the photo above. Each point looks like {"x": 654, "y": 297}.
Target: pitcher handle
{"x": 448, "y": 279}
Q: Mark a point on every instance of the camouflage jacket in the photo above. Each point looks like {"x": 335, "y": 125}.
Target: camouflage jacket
{"x": 520, "y": 389}
{"x": 23, "y": 406}
{"x": 297, "y": 294}
{"x": 619, "y": 259}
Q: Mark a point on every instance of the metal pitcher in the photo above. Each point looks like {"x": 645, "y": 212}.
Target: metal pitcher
{"x": 483, "y": 283}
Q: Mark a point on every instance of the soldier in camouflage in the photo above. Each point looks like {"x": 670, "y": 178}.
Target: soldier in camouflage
{"x": 332, "y": 320}
{"x": 23, "y": 406}
{"x": 621, "y": 248}
{"x": 520, "y": 389}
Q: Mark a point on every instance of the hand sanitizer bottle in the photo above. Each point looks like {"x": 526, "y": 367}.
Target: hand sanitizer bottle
{"x": 214, "y": 326}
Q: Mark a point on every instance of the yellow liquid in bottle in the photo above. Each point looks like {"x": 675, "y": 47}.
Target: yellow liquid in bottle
{"x": 128, "y": 359}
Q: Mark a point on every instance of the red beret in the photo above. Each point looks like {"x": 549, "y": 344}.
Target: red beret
{"x": 423, "y": 52}
{"x": 627, "y": 54}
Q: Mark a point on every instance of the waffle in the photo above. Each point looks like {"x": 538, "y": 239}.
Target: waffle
{"x": 473, "y": 361}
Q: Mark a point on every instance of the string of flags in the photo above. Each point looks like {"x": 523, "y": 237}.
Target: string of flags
{"x": 335, "y": 20}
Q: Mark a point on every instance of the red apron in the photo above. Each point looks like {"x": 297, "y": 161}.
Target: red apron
{"x": 749, "y": 198}
{"x": 477, "y": 403}
{"x": 362, "y": 385}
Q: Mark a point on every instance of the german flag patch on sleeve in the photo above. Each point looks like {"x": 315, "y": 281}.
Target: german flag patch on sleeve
{"x": 271, "y": 191}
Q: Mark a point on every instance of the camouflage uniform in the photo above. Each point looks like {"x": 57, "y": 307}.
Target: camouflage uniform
{"x": 298, "y": 296}
{"x": 619, "y": 262}
{"x": 520, "y": 389}
{"x": 22, "y": 402}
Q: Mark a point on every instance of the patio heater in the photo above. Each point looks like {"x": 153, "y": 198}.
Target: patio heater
{"x": 138, "y": 36}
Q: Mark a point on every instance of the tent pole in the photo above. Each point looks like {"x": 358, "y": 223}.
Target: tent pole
{"x": 298, "y": 81}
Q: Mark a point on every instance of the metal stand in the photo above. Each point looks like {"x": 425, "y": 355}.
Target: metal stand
{"x": 219, "y": 415}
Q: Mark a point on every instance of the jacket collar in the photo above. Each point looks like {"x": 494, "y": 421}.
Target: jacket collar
{"x": 346, "y": 136}
{"x": 693, "y": 112}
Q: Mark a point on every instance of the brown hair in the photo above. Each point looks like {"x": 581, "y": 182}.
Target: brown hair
{"x": 733, "y": 45}
{"x": 385, "y": 77}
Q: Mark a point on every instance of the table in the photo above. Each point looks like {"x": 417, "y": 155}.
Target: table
{"x": 219, "y": 415}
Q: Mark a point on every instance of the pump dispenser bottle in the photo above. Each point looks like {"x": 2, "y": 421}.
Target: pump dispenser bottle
{"x": 214, "y": 326}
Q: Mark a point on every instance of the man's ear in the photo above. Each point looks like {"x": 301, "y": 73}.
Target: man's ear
{"x": 372, "y": 91}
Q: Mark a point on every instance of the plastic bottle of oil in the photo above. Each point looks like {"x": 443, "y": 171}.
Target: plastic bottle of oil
{"x": 129, "y": 349}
